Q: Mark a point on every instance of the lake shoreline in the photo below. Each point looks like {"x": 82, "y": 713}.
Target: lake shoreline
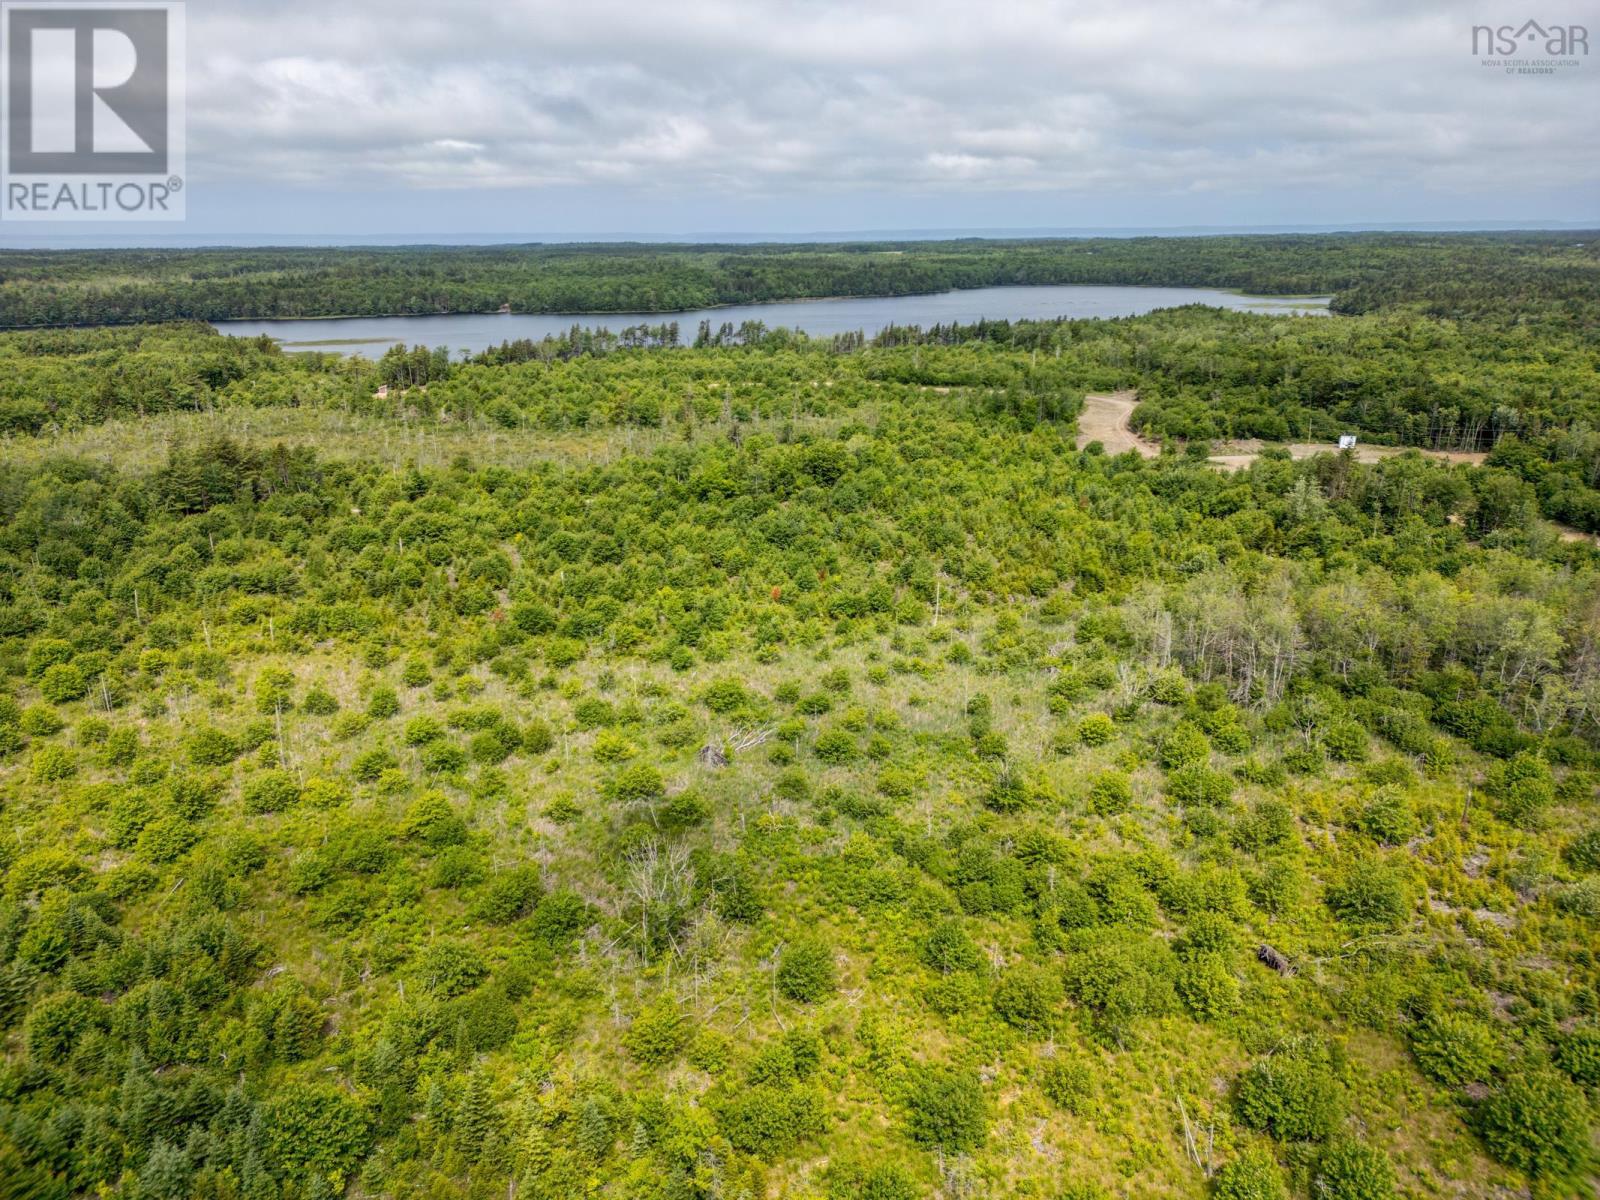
{"x": 815, "y": 318}
{"x": 1310, "y": 299}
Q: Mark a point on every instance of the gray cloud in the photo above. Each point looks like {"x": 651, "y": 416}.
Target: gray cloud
{"x": 760, "y": 99}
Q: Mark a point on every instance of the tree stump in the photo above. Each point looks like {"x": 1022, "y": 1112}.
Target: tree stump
{"x": 1274, "y": 959}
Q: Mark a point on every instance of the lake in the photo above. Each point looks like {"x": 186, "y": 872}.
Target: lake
{"x": 473, "y": 332}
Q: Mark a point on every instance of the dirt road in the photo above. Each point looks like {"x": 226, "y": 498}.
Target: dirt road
{"x": 1105, "y": 420}
{"x": 1234, "y": 456}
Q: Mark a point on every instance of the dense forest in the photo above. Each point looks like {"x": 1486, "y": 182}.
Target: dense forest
{"x": 1522, "y": 277}
{"x": 727, "y": 765}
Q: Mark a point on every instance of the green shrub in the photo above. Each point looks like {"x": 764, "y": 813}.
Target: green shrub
{"x": 806, "y": 971}
{"x": 1207, "y": 933}
{"x": 1346, "y": 742}
{"x": 319, "y": 702}
{"x": 1253, "y": 1175}
{"x": 537, "y": 737}
{"x": 1184, "y": 746}
{"x": 1278, "y": 888}
{"x": 725, "y": 696}
{"x": 121, "y": 747}
{"x": 1169, "y": 687}
{"x": 55, "y": 1025}
{"x": 1454, "y": 1049}
{"x": 431, "y": 820}
{"x": 1263, "y": 774}
{"x": 1580, "y": 899}
{"x": 165, "y": 838}
{"x": 1270, "y": 823}
{"x": 63, "y": 684}
{"x": 46, "y": 652}
{"x": 1208, "y": 987}
{"x": 1371, "y": 892}
{"x": 767, "y": 1120}
{"x": 270, "y": 792}
{"x": 443, "y": 758}
{"x": 1303, "y": 760}
{"x": 1027, "y": 996}
{"x": 1007, "y": 793}
{"x": 1068, "y": 1083}
{"x": 1198, "y": 786}
{"x": 450, "y": 966}
{"x": 836, "y": 748}
{"x": 1120, "y": 896}
{"x": 370, "y": 764}
{"x": 210, "y": 747}
{"x": 683, "y": 812}
{"x": 946, "y": 1109}
{"x": 383, "y": 703}
{"x": 638, "y": 783}
{"x": 738, "y": 899}
{"x": 991, "y": 744}
{"x": 1536, "y": 1121}
{"x": 862, "y": 1181}
{"x": 949, "y": 948}
{"x": 316, "y": 1131}
{"x": 423, "y": 729}
{"x": 52, "y": 764}
{"x": 1522, "y": 789}
{"x": 1110, "y": 793}
{"x": 1096, "y": 729}
{"x": 495, "y": 744}
{"x": 1120, "y": 975}
{"x": 37, "y": 720}
{"x": 1351, "y": 1170}
{"x": 484, "y": 1019}
{"x": 658, "y": 1034}
{"x": 1388, "y": 817}
{"x": 1583, "y": 852}
{"x": 457, "y": 867}
{"x": 1293, "y": 1095}
{"x": 1578, "y": 1054}
{"x": 510, "y": 895}
{"x": 1230, "y": 737}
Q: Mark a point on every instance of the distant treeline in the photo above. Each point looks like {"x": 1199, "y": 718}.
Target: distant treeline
{"x": 1525, "y": 278}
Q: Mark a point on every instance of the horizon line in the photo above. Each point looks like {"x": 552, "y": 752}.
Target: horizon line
{"x": 147, "y": 239}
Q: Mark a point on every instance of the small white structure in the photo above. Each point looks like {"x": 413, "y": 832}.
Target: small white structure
{"x": 1347, "y": 441}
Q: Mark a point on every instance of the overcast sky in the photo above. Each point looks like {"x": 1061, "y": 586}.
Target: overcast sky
{"x": 487, "y": 116}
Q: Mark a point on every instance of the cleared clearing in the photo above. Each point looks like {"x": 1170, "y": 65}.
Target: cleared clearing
{"x": 1236, "y": 455}
{"x": 1105, "y": 420}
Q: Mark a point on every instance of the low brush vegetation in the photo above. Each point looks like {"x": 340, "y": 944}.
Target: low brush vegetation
{"x": 857, "y": 791}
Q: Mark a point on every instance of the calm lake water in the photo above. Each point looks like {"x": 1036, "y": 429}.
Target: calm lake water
{"x": 819, "y": 318}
